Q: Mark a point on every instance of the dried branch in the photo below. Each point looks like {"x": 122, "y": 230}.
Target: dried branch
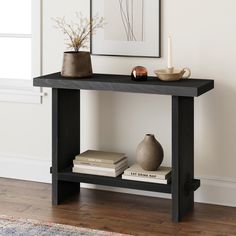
{"x": 78, "y": 33}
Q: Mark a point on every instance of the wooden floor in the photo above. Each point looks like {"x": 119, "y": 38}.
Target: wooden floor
{"x": 135, "y": 215}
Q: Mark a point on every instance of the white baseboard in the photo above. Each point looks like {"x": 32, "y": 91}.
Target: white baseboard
{"x": 125, "y": 190}
{"x": 213, "y": 190}
{"x": 24, "y": 168}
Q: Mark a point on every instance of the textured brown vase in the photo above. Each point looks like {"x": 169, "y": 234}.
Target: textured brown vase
{"x": 77, "y": 65}
{"x": 149, "y": 153}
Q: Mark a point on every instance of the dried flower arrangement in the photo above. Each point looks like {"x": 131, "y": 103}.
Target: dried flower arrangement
{"x": 78, "y": 33}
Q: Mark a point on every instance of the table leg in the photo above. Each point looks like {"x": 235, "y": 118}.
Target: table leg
{"x": 182, "y": 156}
{"x": 65, "y": 140}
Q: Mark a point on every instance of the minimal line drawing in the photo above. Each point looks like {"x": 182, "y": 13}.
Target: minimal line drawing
{"x": 132, "y": 29}
{"x": 127, "y": 17}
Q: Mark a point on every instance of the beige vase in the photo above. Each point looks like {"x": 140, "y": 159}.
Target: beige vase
{"x": 149, "y": 153}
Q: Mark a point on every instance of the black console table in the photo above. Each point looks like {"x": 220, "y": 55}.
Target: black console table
{"x": 66, "y": 134}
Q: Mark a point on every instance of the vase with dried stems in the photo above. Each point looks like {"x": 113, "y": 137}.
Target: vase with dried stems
{"x": 77, "y": 63}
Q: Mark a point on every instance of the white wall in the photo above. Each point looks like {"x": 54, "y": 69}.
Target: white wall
{"x": 204, "y": 36}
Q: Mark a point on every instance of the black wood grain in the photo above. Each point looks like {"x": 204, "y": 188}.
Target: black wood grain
{"x": 66, "y": 134}
{"x": 65, "y": 139}
{"x": 68, "y": 175}
{"x": 192, "y": 185}
{"x": 123, "y": 83}
{"x": 182, "y": 155}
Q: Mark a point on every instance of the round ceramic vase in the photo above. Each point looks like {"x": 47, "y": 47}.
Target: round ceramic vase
{"x": 149, "y": 153}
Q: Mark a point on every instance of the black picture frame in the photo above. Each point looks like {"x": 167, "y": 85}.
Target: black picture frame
{"x": 115, "y": 55}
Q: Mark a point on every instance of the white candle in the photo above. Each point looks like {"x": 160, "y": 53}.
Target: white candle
{"x": 170, "y": 59}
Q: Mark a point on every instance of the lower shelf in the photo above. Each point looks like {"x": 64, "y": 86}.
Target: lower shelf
{"x": 69, "y": 176}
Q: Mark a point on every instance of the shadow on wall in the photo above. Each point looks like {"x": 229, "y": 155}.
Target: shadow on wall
{"x": 215, "y": 130}
{"x": 122, "y": 120}
{"x": 118, "y": 122}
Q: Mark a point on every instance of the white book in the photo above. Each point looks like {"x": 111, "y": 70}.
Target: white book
{"x": 136, "y": 171}
{"x": 94, "y": 172}
{"x": 98, "y": 164}
{"x": 98, "y": 168}
{"x": 143, "y": 179}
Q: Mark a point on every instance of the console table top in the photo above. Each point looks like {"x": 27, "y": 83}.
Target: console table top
{"x": 123, "y": 83}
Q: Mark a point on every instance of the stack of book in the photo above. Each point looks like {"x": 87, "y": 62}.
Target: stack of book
{"x": 100, "y": 163}
{"x": 160, "y": 176}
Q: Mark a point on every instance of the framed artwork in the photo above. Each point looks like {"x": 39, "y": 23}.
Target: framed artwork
{"x": 133, "y": 28}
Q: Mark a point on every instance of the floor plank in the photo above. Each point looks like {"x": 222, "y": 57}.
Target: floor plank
{"x": 116, "y": 212}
